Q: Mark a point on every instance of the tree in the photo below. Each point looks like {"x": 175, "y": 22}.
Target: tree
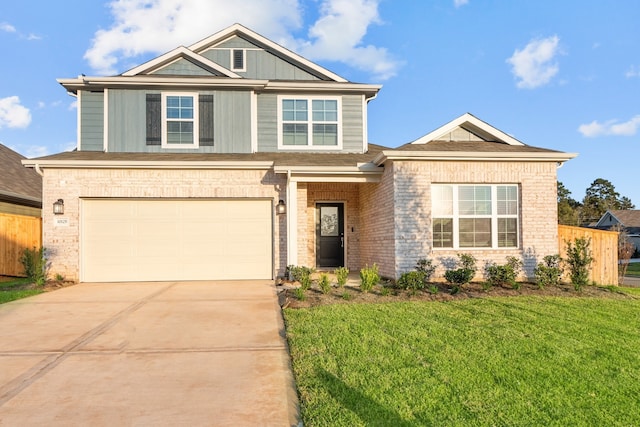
{"x": 600, "y": 197}
{"x": 568, "y": 208}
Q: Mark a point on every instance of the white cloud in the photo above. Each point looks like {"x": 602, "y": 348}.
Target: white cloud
{"x": 633, "y": 71}
{"x": 32, "y": 36}
{"x": 13, "y": 114}
{"x": 610, "y": 128}
{"x": 338, "y": 36}
{"x": 73, "y": 105}
{"x": 534, "y": 66}
{"x": 459, "y": 3}
{"x": 6, "y": 27}
{"x": 157, "y": 27}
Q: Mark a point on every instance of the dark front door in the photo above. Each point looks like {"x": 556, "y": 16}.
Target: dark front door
{"x": 329, "y": 235}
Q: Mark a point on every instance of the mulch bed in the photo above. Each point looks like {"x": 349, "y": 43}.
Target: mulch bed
{"x": 351, "y": 294}
{"x": 50, "y": 285}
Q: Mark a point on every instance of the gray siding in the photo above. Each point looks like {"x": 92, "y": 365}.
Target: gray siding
{"x": 182, "y": 67}
{"x": 352, "y": 123}
{"x": 267, "y": 122}
{"x": 259, "y": 63}
{"x": 91, "y": 121}
{"x": 127, "y": 122}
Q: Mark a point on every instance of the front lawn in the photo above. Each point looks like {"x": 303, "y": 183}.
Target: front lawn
{"x": 474, "y": 362}
{"x": 14, "y": 289}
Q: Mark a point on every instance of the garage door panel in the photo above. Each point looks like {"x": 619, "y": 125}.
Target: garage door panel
{"x": 129, "y": 240}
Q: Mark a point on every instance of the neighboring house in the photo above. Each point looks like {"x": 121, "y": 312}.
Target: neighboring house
{"x": 20, "y": 188}
{"x": 182, "y": 163}
{"x": 627, "y": 220}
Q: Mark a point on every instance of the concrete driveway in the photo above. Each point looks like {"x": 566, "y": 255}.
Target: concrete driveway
{"x": 135, "y": 354}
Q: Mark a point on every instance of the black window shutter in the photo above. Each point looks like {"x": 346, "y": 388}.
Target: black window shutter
{"x": 154, "y": 119}
{"x": 205, "y": 107}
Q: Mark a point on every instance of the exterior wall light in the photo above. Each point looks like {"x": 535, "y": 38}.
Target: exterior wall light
{"x": 58, "y": 207}
{"x": 281, "y": 208}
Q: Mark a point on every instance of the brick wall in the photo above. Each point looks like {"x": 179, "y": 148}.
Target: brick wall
{"x": 377, "y": 236}
{"x": 316, "y": 192}
{"x": 63, "y": 243}
{"x": 538, "y": 209}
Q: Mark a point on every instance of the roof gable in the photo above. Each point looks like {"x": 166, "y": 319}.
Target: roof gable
{"x": 237, "y": 30}
{"x": 468, "y": 128}
{"x": 627, "y": 217}
{"x": 180, "y": 53}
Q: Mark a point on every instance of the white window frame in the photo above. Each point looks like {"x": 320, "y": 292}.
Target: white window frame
{"x": 244, "y": 59}
{"x": 195, "y": 120}
{"x": 310, "y": 123}
{"x": 456, "y": 216}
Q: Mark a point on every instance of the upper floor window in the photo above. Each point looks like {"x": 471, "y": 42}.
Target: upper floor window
{"x": 474, "y": 216}
{"x": 310, "y": 122}
{"x": 180, "y": 120}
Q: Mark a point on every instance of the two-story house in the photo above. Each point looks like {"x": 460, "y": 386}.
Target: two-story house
{"x": 235, "y": 157}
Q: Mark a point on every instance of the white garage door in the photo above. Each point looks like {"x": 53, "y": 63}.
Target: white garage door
{"x": 159, "y": 240}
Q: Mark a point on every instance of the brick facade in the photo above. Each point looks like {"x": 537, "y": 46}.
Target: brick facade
{"x": 412, "y": 206}
{"x": 63, "y": 243}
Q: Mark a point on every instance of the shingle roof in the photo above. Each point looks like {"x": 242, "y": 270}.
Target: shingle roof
{"x": 17, "y": 181}
{"x": 628, "y": 218}
{"x": 471, "y": 146}
{"x": 279, "y": 158}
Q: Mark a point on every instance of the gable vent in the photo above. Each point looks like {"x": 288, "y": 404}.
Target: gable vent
{"x": 237, "y": 59}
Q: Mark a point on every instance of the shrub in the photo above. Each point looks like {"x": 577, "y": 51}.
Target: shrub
{"x": 548, "y": 272}
{"x": 34, "y": 262}
{"x": 426, "y": 267}
{"x": 342, "y": 273}
{"x": 301, "y": 274}
{"x": 59, "y": 277}
{"x": 579, "y": 260}
{"x": 412, "y": 280}
{"x": 369, "y": 277}
{"x": 346, "y": 296}
{"x": 432, "y": 289}
{"x": 498, "y": 275}
{"x": 463, "y": 275}
{"x": 299, "y": 294}
{"x": 324, "y": 284}
{"x": 385, "y": 291}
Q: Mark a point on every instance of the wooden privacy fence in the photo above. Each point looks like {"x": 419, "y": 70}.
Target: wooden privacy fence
{"x": 17, "y": 232}
{"x": 604, "y": 249}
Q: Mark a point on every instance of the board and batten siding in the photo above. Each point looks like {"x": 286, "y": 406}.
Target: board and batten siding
{"x": 182, "y": 67}
{"x": 91, "y": 120}
{"x": 127, "y": 123}
{"x": 259, "y": 63}
{"x": 352, "y": 123}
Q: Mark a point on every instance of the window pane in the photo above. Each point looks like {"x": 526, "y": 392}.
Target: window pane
{"x": 173, "y": 101}
{"x": 475, "y": 232}
{"x": 325, "y": 134}
{"x": 442, "y": 233}
{"x": 474, "y": 199}
{"x": 179, "y": 133}
{"x": 294, "y": 110}
{"x": 325, "y": 110}
{"x": 507, "y": 232}
{"x": 442, "y": 200}
{"x": 294, "y": 134}
{"x": 507, "y": 200}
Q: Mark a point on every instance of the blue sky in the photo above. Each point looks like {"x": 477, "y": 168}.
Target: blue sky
{"x": 563, "y": 75}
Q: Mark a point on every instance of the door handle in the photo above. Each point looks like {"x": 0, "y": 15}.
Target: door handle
{"x": 342, "y": 241}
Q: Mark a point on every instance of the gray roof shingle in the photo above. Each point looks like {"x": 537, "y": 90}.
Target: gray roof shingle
{"x": 16, "y": 180}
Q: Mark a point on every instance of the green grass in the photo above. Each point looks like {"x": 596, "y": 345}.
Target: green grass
{"x": 503, "y": 361}
{"x": 633, "y": 269}
{"x": 9, "y": 291}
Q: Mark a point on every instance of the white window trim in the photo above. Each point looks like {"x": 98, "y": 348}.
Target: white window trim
{"x": 494, "y": 218}
{"x": 244, "y": 60}
{"x": 310, "y": 122}
{"x": 195, "y": 120}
